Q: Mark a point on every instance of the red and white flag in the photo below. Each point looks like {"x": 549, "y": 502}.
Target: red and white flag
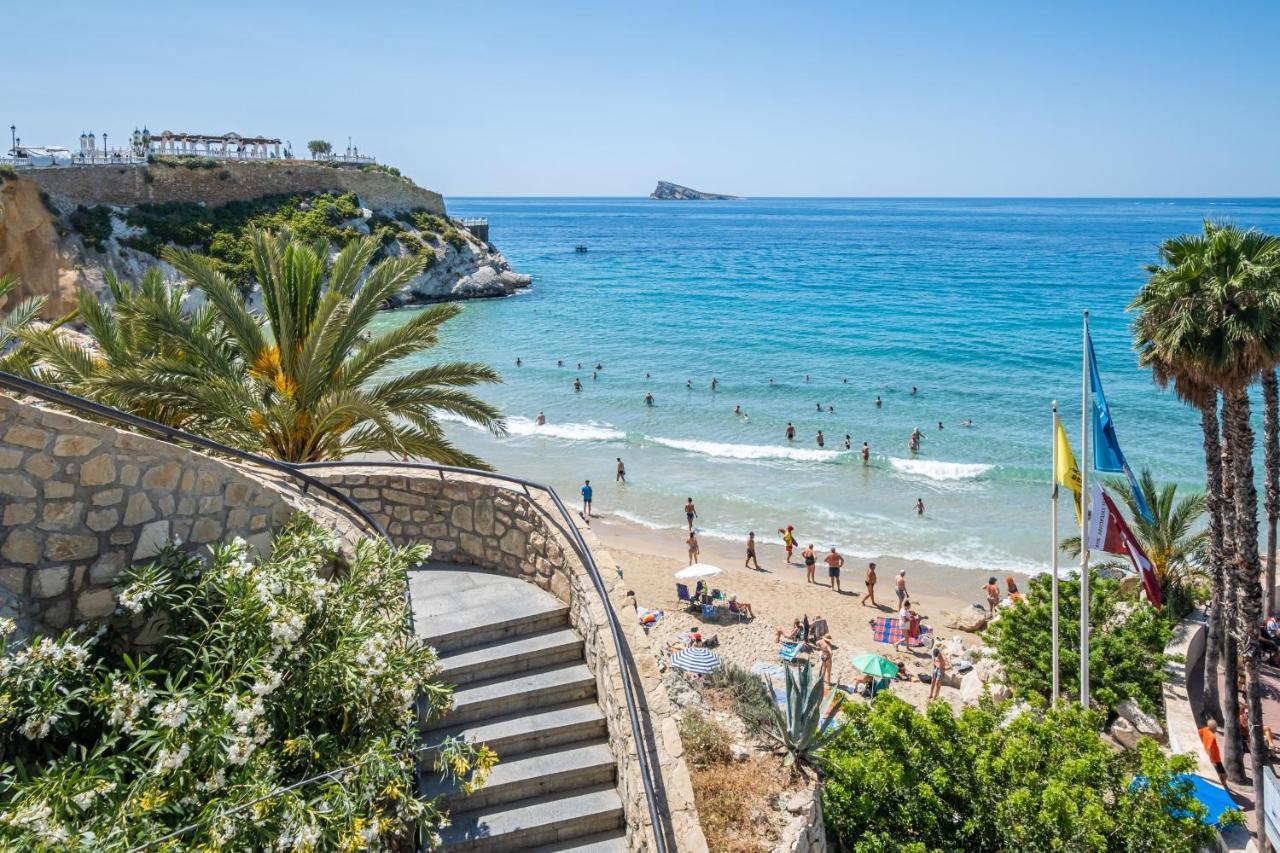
{"x": 1108, "y": 531}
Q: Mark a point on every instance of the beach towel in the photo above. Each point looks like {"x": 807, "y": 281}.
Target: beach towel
{"x": 788, "y": 651}
{"x": 649, "y": 618}
{"x": 888, "y": 629}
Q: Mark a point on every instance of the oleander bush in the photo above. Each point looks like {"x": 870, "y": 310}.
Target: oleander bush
{"x": 267, "y": 675}
{"x": 897, "y": 780}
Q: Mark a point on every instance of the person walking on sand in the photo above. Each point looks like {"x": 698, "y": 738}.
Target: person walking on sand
{"x": 788, "y": 540}
{"x": 751, "y": 553}
{"x": 919, "y": 506}
{"x": 866, "y": 454}
{"x": 586, "y": 500}
{"x": 541, "y": 420}
{"x": 622, "y": 472}
{"x": 871, "y": 586}
{"x": 692, "y": 542}
{"x": 940, "y": 666}
{"x": 690, "y": 512}
{"x": 810, "y": 562}
{"x": 993, "y": 595}
{"x": 821, "y": 440}
{"x": 791, "y": 431}
{"x": 834, "y": 563}
{"x": 900, "y": 586}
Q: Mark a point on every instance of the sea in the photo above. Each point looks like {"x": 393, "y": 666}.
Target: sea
{"x": 808, "y": 311}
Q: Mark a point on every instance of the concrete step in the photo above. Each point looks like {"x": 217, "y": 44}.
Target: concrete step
{"x": 524, "y": 731}
{"x": 534, "y": 822}
{"x": 606, "y": 842}
{"x": 526, "y": 692}
{"x": 467, "y": 629}
{"x": 535, "y": 774}
{"x": 520, "y": 653}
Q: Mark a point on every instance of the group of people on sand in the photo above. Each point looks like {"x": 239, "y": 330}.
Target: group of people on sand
{"x": 816, "y": 634}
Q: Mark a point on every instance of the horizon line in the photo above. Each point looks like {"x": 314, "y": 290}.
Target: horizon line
{"x": 893, "y": 197}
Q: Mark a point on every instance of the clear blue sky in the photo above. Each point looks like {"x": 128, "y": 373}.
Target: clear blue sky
{"x": 863, "y": 97}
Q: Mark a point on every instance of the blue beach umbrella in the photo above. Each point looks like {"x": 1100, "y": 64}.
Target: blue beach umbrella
{"x": 696, "y": 660}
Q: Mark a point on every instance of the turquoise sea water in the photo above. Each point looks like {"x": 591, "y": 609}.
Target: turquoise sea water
{"x": 976, "y": 302}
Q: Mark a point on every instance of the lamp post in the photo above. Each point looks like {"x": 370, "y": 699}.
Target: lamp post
{"x": 105, "y": 158}
{"x": 13, "y": 140}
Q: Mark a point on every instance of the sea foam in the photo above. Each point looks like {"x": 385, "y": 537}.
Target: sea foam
{"x": 568, "y": 431}
{"x": 930, "y": 469}
{"x": 747, "y": 451}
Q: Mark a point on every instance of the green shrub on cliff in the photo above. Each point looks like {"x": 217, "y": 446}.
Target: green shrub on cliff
{"x": 93, "y": 224}
{"x": 8, "y": 173}
{"x": 269, "y": 675}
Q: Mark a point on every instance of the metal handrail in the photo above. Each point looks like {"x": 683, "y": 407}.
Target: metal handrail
{"x": 297, "y": 470}
{"x": 647, "y": 775}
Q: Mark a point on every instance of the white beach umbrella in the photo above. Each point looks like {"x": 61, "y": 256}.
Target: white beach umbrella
{"x": 696, "y": 660}
{"x": 699, "y": 570}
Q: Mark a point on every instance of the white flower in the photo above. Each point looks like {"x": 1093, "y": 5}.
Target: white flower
{"x": 37, "y": 727}
{"x": 239, "y": 750}
{"x": 83, "y": 798}
{"x": 127, "y": 704}
{"x": 167, "y": 759}
{"x": 294, "y": 837}
{"x": 286, "y": 631}
{"x": 7, "y": 627}
{"x": 173, "y": 713}
{"x": 214, "y": 782}
{"x": 134, "y": 597}
{"x": 268, "y": 683}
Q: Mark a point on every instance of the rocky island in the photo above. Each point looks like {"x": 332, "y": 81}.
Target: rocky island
{"x": 667, "y": 191}
{"x": 62, "y": 228}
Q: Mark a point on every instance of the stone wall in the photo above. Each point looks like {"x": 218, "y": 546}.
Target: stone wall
{"x": 477, "y": 520}
{"x": 229, "y": 181}
{"x": 79, "y": 501}
{"x": 808, "y": 835}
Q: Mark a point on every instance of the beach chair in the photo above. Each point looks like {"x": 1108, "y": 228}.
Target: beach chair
{"x": 710, "y": 611}
{"x": 682, "y": 593}
{"x": 717, "y": 595}
{"x": 736, "y": 610}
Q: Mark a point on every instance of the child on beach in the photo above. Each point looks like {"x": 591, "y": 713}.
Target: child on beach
{"x": 751, "y": 552}
{"x": 810, "y": 562}
{"x": 788, "y": 540}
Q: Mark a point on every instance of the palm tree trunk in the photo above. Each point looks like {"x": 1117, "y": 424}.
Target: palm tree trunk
{"x": 1271, "y": 452}
{"x": 1232, "y": 752}
{"x": 1213, "y": 503}
{"x": 1248, "y": 580}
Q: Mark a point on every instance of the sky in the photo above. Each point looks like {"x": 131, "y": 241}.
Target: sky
{"x": 854, "y": 98}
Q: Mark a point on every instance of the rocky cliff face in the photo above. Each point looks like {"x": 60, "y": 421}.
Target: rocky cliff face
{"x": 52, "y": 255}
{"x": 667, "y": 191}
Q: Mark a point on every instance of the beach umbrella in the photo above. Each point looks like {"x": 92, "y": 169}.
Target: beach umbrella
{"x": 699, "y": 570}
{"x": 876, "y": 666}
{"x": 696, "y": 660}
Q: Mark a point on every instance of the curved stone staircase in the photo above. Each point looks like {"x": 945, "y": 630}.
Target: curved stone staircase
{"x": 521, "y": 687}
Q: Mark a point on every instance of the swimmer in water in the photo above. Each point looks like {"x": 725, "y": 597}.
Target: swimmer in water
{"x": 791, "y": 431}
{"x": 648, "y": 398}
{"x": 967, "y": 423}
{"x": 831, "y": 409}
{"x": 599, "y": 366}
{"x": 579, "y": 365}
{"x": 847, "y": 443}
{"x": 737, "y": 410}
{"x": 866, "y": 453}
{"x": 594, "y": 376}
{"x": 878, "y": 401}
{"x": 559, "y": 362}
{"x": 919, "y": 506}
{"x": 913, "y": 390}
{"x": 714, "y": 383}
{"x": 806, "y": 377}
{"x": 770, "y": 380}
{"x": 518, "y": 362}
{"x": 939, "y": 424}
{"x": 542, "y": 419}
{"x": 577, "y": 385}
{"x": 646, "y": 374}
{"x": 822, "y": 441}
{"x": 818, "y": 406}
{"x": 844, "y": 381}
{"x": 688, "y": 383}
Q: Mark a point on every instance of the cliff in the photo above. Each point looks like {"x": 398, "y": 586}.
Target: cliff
{"x": 667, "y": 191}
{"x": 62, "y": 229}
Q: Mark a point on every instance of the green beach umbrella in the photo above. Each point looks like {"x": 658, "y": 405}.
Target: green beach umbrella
{"x": 875, "y": 665}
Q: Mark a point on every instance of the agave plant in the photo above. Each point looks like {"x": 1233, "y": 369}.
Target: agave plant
{"x": 803, "y": 730}
{"x": 14, "y": 357}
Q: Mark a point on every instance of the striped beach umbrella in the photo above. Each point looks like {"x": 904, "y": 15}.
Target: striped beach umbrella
{"x": 696, "y": 659}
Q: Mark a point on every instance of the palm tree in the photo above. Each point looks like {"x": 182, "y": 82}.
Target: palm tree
{"x": 127, "y": 335}
{"x": 1176, "y": 548}
{"x": 1216, "y": 315}
{"x": 1271, "y": 460}
{"x": 306, "y": 381}
{"x": 15, "y": 358}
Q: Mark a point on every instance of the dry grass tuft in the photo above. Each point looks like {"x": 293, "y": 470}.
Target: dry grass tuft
{"x": 729, "y": 796}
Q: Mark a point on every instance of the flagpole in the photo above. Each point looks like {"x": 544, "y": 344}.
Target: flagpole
{"x": 1053, "y": 534}
{"x": 1084, "y": 520}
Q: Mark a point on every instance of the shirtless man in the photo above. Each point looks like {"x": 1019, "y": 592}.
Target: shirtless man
{"x": 900, "y": 586}
{"x": 690, "y": 512}
{"x": 940, "y": 666}
{"x": 866, "y": 453}
{"x": 751, "y": 553}
{"x": 919, "y": 506}
{"x": 871, "y": 586}
{"x": 821, "y": 440}
{"x": 622, "y": 471}
{"x": 791, "y": 431}
{"x": 648, "y": 398}
{"x": 577, "y": 385}
{"x": 541, "y": 419}
{"x": 834, "y": 563}
{"x": 878, "y": 403}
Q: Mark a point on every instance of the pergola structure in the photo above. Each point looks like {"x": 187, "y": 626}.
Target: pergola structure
{"x": 231, "y": 146}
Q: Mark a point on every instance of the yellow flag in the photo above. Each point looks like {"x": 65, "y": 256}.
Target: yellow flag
{"x": 1067, "y": 474}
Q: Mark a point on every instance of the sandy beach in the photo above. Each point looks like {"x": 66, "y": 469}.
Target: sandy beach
{"x": 779, "y": 593}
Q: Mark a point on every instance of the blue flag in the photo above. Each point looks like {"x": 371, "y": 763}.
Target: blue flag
{"x": 1107, "y": 455}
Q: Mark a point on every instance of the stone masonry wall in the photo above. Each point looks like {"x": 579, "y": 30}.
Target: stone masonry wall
{"x": 79, "y": 501}
{"x": 229, "y": 181}
{"x": 481, "y": 521}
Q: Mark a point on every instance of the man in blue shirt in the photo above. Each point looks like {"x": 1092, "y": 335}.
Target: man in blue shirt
{"x": 586, "y": 499}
